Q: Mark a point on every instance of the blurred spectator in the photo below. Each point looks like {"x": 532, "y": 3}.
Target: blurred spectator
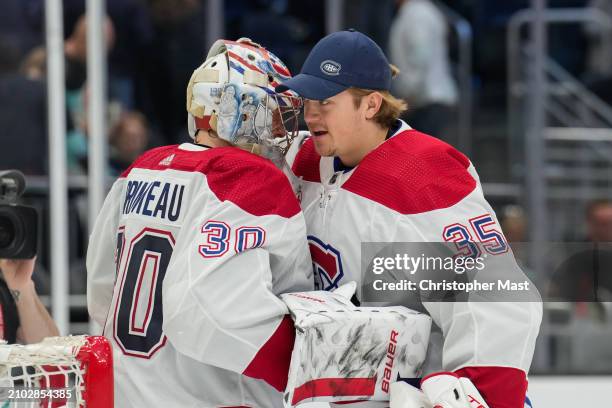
{"x": 418, "y": 46}
{"x": 599, "y": 221}
{"x": 129, "y": 139}
{"x": 78, "y": 132}
{"x": 24, "y": 118}
{"x": 33, "y": 68}
{"x": 75, "y": 49}
{"x": 34, "y": 65}
{"x": 133, "y": 32}
{"x": 513, "y": 223}
{"x": 586, "y": 274}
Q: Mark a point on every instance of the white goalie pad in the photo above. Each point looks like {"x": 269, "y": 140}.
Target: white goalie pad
{"x": 345, "y": 353}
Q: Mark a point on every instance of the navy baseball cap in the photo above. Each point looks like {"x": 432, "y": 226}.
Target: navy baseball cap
{"x": 339, "y": 61}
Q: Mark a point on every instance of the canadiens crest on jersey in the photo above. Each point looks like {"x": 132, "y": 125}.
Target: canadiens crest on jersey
{"x": 326, "y": 263}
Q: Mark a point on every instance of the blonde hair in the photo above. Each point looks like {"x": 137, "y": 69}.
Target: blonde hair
{"x": 391, "y": 107}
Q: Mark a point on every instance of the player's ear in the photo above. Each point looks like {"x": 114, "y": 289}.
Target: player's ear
{"x": 373, "y": 102}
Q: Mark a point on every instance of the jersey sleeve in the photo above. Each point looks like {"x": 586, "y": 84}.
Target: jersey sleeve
{"x": 220, "y": 293}
{"x": 101, "y": 267}
{"x": 491, "y": 342}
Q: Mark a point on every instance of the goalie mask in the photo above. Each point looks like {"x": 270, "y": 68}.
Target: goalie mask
{"x": 233, "y": 94}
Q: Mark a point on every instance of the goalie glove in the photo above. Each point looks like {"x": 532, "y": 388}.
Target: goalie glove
{"x": 440, "y": 390}
{"x": 448, "y": 390}
{"x": 346, "y": 353}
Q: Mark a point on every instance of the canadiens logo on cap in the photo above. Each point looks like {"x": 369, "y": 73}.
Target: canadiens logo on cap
{"x": 337, "y": 62}
{"x": 330, "y": 67}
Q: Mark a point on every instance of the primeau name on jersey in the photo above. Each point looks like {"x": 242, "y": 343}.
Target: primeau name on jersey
{"x": 154, "y": 199}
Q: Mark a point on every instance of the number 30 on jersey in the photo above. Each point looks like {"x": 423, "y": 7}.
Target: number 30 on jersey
{"x": 217, "y": 237}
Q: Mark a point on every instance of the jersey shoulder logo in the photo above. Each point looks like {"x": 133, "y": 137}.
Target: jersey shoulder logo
{"x": 167, "y": 161}
{"x": 326, "y": 264}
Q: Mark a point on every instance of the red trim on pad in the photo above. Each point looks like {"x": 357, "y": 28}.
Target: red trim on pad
{"x": 326, "y": 387}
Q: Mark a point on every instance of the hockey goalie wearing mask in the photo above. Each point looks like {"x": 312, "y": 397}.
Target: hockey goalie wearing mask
{"x": 231, "y": 96}
{"x": 195, "y": 243}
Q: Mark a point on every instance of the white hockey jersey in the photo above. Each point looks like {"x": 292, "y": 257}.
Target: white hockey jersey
{"x": 185, "y": 263}
{"x": 410, "y": 189}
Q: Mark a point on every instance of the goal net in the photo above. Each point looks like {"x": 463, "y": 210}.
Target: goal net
{"x": 72, "y": 371}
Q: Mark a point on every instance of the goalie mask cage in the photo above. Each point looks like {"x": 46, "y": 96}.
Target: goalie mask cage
{"x": 80, "y": 364}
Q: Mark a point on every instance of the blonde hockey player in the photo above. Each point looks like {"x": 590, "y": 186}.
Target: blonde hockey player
{"x": 363, "y": 176}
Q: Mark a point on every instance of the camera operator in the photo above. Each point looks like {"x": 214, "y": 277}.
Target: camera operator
{"x": 24, "y": 318}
